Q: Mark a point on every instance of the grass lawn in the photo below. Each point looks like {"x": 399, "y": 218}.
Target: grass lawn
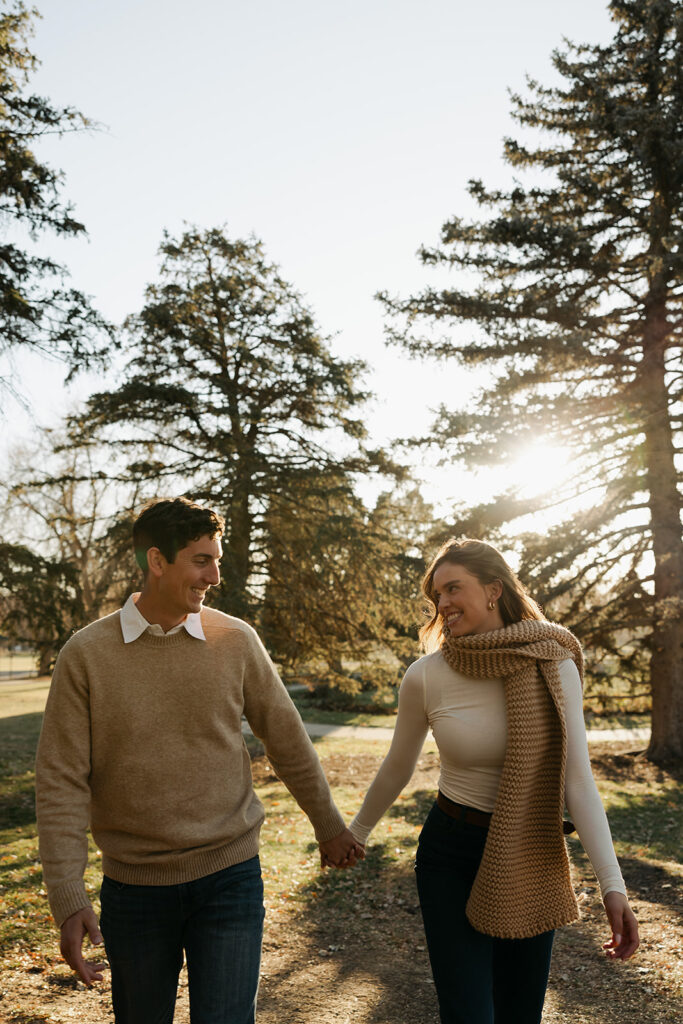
{"x": 311, "y": 713}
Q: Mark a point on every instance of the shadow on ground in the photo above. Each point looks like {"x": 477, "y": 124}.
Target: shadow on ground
{"x": 586, "y": 986}
{"x": 360, "y": 942}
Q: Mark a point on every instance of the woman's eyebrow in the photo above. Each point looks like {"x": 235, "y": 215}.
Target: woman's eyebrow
{"x": 449, "y": 583}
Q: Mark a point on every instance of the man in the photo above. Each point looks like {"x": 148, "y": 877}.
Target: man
{"x": 142, "y": 741}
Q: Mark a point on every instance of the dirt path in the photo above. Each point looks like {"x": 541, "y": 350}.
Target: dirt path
{"x": 325, "y": 969}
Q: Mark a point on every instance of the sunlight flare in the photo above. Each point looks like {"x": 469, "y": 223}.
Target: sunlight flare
{"x": 539, "y": 468}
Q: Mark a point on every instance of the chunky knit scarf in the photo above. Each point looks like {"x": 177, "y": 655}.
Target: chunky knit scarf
{"x": 523, "y": 886}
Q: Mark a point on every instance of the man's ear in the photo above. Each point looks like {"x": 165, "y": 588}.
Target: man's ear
{"x": 156, "y": 563}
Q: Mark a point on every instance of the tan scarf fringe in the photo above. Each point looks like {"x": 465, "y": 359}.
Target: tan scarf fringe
{"x": 523, "y": 886}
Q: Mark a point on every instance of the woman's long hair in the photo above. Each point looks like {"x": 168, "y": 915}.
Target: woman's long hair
{"x": 488, "y": 565}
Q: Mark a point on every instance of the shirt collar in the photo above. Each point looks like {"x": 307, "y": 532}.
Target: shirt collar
{"x": 134, "y": 624}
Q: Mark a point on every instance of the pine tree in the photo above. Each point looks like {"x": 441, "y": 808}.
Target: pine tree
{"x": 231, "y": 396}
{"x": 578, "y": 312}
{"x": 341, "y": 603}
{"x": 39, "y": 601}
{"x": 37, "y": 309}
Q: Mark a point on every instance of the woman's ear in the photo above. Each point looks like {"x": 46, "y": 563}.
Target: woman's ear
{"x": 495, "y": 590}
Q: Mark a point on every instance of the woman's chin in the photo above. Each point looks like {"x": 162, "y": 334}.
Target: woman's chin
{"x": 458, "y": 629}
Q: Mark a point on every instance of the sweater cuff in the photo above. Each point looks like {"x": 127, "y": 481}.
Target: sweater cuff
{"x": 359, "y": 832}
{"x": 613, "y": 887}
{"x": 610, "y": 879}
{"x": 67, "y": 900}
{"x": 330, "y": 826}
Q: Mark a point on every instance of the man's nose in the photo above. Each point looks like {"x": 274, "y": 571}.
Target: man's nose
{"x": 213, "y": 575}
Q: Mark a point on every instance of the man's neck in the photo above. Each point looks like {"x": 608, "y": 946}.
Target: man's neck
{"x": 152, "y": 610}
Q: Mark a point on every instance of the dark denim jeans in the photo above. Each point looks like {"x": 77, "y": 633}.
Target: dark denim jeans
{"x": 216, "y": 920}
{"x": 478, "y": 979}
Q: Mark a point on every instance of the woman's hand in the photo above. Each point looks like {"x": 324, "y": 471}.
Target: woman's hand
{"x": 625, "y": 939}
{"x": 341, "y": 852}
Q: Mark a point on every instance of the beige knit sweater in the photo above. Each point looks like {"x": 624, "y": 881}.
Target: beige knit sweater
{"x": 142, "y": 742}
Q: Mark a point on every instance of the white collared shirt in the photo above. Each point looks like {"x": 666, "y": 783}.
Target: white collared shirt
{"x": 134, "y": 624}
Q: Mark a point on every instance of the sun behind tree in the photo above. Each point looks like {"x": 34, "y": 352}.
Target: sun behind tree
{"x": 577, "y": 309}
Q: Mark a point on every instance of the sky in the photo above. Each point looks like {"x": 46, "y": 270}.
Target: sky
{"x": 342, "y": 135}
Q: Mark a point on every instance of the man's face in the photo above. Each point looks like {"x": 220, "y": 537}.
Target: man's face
{"x": 183, "y": 583}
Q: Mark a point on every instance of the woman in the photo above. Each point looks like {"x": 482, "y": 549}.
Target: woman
{"x": 501, "y": 689}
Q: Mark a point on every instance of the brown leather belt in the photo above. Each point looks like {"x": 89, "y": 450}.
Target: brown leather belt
{"x": 461, "y": 813}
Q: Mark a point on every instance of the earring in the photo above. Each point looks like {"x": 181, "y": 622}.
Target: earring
{"x": 492, "y": 605}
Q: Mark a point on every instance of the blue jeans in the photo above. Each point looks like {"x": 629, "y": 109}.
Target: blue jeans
{"x": 478, "y": 979}
{"x": 216, "y": 920}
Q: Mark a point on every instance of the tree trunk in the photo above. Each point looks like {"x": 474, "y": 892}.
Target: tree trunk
{"x": 237, "y": 563}
{"x": 666, "y": 664}
{"x": 45, "y": 659}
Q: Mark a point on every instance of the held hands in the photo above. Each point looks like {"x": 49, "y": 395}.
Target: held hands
{"x": 73, "y": 931}
{"x": 625, "y": 940}
{"x": 341, "y": 852}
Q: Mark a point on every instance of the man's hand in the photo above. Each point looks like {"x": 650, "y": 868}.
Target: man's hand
{"x": 625, "y": 940}
{"x": 341, "y": 852}
{"x": 73, "y": 930}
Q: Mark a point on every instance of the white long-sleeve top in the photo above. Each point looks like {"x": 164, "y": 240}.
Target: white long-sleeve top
{"x": 468, "y": 720}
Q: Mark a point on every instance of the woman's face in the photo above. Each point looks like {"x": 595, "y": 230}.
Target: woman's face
{"x": 463, "y": 602}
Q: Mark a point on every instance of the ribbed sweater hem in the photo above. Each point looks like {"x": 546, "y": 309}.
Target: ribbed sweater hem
{"x": 192, "y": 866}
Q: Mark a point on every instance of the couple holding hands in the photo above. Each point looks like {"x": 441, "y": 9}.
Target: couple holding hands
{"x": 142, "y": 745}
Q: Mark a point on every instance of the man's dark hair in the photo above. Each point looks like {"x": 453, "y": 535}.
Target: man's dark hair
{"x": 170, "y": 524}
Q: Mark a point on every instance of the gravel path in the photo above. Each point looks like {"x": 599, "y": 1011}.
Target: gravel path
{"x": 368, "y": 732}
